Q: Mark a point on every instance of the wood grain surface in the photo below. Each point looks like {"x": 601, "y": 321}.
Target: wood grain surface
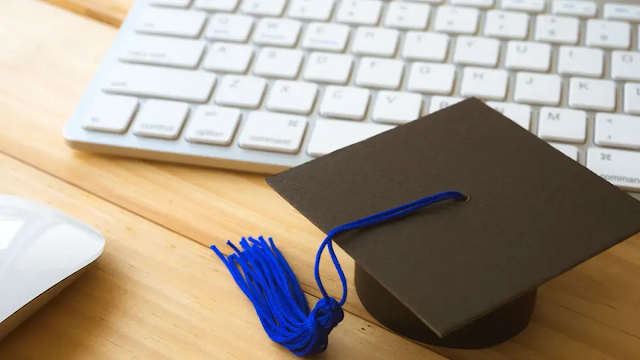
{"x": 156, "y": 295}
{"x": 111, "y": 12}
{"x": 49, "y": 55}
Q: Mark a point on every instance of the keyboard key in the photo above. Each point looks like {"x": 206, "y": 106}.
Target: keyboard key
{"x": 228, "y": 57}
{"x": 590, "y": 94}
{"x": 622, "y": 12}
{"x": 425, "y": 46}
{"x": 484, "y": 4}
{"x": 520, "y": 114}
{"x": 617, "y": 130}
{"x": 213, "y": 125}
{"x": 403, "y": 15}
{"x": 263, "y": 7}
{"x": 533, "y": 6}
{"x": 625, "y": 65}
{"x": 608, "y": 34}
{"x": 375, "y": 41}
{"x": 569, "y": 150}
{"x": 456, "y": 20}
{"x": 229, "y": 27}
{"x": 580, "y": 61}
{"x": 563, "y": 125}
{"x": 360, "y": 12}
{"x": 619, "y": 167}
{"x": 110, "y": 113}
{"x": 380, "y": 73}
{"x": 171, "y": 3}
{"x": 216, "y": 5}
{"x": 484, "y": 83}
{"x": 278, "y": 63}
{"x": 579, "y": 8}
{"x": 506, "y": 24}
{"x": 557, "y": 29}
{"x": 538, "y": 89}
{"x": 161, "y": 119}
{"x": 277, "y": 32}
{"x": 173, "y": 22}
{"x": 273, "y": 132}
{"x": 148, "y": 81}
{"x": 432, "y": 78}
{"x": 345, "y": 102}
{"x": 523, "y": 55}
{"x": 292, "y": 97}
{"x": 440, "y": 102}
{"x": 241, "y": 91}
{"x": 154, "y": 50}
{"x": 327, "y": 37}
{"x": 331, "y": 135}
{"x": 632, "y": 98}
{"x": 329, "y": 68}
{"x": 397, "y": 107}
{"x": 471, "y": 50}
{"x": 311, "y": 10}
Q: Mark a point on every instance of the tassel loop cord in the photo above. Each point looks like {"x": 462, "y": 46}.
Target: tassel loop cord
{"x": 265, "y": 277}
{"x": 378, "y": 218}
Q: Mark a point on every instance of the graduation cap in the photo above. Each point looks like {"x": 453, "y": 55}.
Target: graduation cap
{"x": 460, "y": 274}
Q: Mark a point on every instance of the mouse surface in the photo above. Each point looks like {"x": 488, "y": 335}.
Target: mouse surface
{"x": 42, "y": 250}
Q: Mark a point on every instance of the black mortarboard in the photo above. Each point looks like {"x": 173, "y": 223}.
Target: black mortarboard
{"x": 460, "y": 274}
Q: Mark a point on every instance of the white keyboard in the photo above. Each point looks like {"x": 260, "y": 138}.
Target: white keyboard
{"x": 264, "y": 85}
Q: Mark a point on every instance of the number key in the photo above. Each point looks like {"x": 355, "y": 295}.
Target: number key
{"x": 506, "y": 24}
{"x": 557, "y": 29}
{"x": 457, "y": 20}
{"x": 263, "y": 7}
{"x": 360, "y": 12}
{"x": 404, "y": 15}
{"x": 608, "y": 34}
{"x": 316, "y": 10}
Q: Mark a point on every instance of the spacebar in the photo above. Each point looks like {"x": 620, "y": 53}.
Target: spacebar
{"x": 156, "y": 82}
{"x": 331, "y": 135}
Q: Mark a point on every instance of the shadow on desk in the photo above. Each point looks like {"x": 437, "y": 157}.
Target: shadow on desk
{"x": 65, "y": 327}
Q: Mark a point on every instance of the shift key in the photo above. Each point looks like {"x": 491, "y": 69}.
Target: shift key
{"x": 163, "y": 83}
{"x": 619, "y": 167}
{"x": 273, "y": 132}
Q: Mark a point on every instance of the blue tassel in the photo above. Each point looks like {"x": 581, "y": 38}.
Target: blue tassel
{"x": 270, "y": 284}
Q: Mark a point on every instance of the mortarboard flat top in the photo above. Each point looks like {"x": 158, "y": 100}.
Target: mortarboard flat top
{"x": 533, "y": 214}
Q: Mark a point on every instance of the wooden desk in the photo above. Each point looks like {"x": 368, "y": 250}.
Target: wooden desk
{"x": 158, "y": 292}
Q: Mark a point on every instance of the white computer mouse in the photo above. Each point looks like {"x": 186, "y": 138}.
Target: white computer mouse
{"x": 42, "y": 250}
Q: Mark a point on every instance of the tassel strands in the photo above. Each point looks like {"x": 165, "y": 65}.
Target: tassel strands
{"x": 266, "y": 278}
{"x": 280, "y": 303}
